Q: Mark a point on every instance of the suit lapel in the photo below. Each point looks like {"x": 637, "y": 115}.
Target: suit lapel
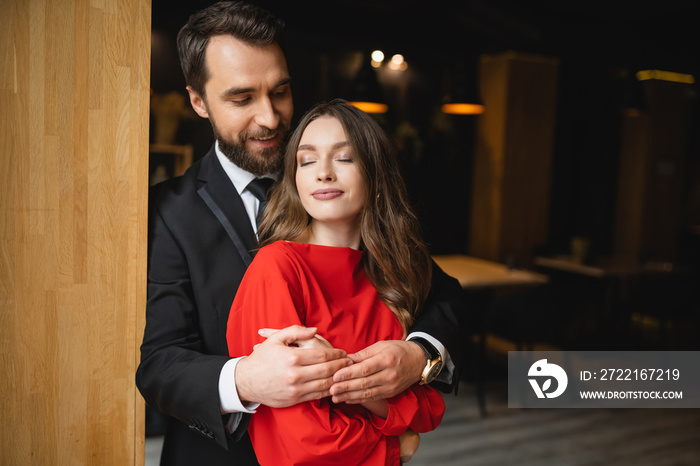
{"x": 223, "y": 200}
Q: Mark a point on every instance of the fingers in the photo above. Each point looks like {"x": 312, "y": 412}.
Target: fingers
{"x": 320, "y": 378}
{"x": 317, "y": 342}
{"x": 323, "y": 340}
{"x": 279, "y": 376}
{"x": 379, "y": 371}
{"x": 359, "y": 382}
{"x": 306, "y": 384}
{"x": 288, "y": 335}
{"x": 358, "y": 371}
{"x": 369, "y": 352}
{"x": 374, "y": 387}
{"x": 312, "y": 356}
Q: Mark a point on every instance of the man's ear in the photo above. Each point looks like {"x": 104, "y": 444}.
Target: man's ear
{"x": 198, "y": 103}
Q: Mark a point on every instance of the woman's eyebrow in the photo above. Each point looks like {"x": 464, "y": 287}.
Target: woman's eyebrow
{"x": 337, "y": 145}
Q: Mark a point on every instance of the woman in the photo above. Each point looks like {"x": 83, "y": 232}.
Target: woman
{"x": 341, "y": 252}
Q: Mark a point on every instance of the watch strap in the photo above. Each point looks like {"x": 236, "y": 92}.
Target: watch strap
{"x": 430, "y": 351}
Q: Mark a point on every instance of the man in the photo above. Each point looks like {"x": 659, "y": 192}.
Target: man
{"x": 202, "y": 240}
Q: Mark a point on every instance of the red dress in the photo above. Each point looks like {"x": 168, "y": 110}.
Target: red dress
{"x": 324, "y": 287}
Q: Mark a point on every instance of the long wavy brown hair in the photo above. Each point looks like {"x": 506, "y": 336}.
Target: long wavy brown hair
{"x": 396, "y": 260}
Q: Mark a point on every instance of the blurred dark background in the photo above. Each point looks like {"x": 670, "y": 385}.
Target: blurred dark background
{"x": 572, "y": 148}
{"x": 599, "y": 45}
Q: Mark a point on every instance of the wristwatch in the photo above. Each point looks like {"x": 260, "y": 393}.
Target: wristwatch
{"x": 434, "y": 360}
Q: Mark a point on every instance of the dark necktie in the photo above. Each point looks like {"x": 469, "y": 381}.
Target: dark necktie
{"x": 259, "y": 187}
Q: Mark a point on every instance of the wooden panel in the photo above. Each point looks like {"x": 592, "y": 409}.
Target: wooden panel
{"x": 488, "y": 160}
{"x": 512, "y": 160}
{"x": 634, "y": 160}
{"x": 74, "y": 91}
{"x": 653, "y": 158}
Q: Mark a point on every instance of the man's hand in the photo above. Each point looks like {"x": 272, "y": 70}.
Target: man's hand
{"x": 380, "y": 371}
{"x": 279, "y": 375}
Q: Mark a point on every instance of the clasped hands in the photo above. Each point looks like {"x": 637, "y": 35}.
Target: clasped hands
{"x": 295, "y": 364}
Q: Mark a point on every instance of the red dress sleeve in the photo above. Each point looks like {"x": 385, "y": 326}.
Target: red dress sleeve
{"x": 275, "y": 293}
{"x": 420, "y": 408}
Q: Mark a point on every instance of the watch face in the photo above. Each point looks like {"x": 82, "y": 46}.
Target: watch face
{"x": 434, "y": 371}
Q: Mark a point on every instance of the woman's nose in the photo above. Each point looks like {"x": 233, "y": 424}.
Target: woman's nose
{"x": 325, "y": 172}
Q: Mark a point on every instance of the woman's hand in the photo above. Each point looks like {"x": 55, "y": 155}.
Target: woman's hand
{"x": 296, "y": 376}
{"x": 316, "y": 342}
{"x": 408, "y": 442}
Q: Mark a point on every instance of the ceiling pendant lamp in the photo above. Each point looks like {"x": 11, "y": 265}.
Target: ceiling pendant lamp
{"x": 365, "y": 92}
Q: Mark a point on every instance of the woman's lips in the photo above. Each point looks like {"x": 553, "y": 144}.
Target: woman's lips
{"x": 326, "y": 194}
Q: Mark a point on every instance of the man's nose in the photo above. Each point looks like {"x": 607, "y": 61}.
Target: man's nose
{"x": 265, "y": 114}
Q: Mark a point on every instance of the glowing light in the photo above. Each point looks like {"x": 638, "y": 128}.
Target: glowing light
{"x": 371, "y": 107}
{"x": 398, "y": 63}
{"x": 463, "y": 109}
{"x": 660, "y": 75}
{"x": 378, "y": 56}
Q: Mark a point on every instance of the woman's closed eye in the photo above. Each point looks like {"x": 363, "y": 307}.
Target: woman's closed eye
{"x": 304, "y": 161}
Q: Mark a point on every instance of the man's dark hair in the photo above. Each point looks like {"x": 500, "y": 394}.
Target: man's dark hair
{"x": 245, "y": 22}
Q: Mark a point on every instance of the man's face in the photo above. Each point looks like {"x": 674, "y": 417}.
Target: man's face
{"x": 248, "y": 101}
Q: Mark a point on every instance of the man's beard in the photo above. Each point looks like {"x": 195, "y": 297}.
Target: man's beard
{"x": 261, "y": 162}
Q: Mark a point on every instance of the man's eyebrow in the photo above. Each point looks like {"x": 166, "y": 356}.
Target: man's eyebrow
{"x": 236, "y": 91}
{"x": 233, "y": 91}
{"x": 283, "y": 81}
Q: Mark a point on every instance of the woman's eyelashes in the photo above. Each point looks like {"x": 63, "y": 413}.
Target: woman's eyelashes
{"x": 305, "y": 160}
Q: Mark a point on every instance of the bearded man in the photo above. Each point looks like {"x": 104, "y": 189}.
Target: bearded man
{"x": 202, "y": 239}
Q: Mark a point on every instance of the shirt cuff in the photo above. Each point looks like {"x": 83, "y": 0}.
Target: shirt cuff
{"x": 228, "y": 395}
{"x": 448, "y": 367}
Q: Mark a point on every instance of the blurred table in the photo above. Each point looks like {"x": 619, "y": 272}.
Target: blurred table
{"x": 480, "y": 280}
{"x": 616, "y": 278}
{"x": 601, "y": 269}
{"x": 473, "y": 272}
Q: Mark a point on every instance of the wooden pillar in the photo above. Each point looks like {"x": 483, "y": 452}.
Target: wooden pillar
{"x": 512, "y": 158}
{"x": 652, "y": 172}
{"x": 74, "y": 92}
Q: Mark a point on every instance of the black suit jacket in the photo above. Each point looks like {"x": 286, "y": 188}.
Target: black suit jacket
{"x": 200, "y": 244}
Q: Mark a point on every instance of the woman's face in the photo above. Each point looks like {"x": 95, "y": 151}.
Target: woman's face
{"x": 328, "y": 180}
